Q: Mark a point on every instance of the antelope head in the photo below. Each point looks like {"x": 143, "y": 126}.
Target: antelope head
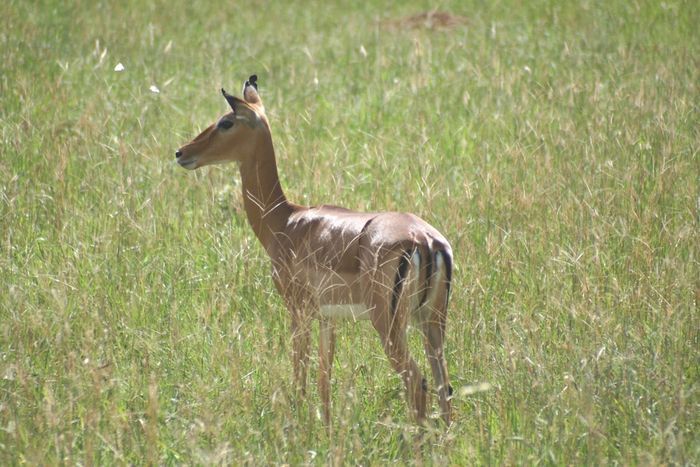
{"x": 232, "y": 138}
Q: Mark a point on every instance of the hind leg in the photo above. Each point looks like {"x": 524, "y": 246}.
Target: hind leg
{"x": 396, "y": 349}
{"x": 434, "y": 338}
{"x": 434, "y": 341}
{"x": 390, "y": 318}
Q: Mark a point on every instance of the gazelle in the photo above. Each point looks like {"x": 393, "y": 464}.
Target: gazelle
{"x": 330, "y": 263}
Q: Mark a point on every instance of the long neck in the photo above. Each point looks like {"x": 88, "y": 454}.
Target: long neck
{"x": 265, "y": 204}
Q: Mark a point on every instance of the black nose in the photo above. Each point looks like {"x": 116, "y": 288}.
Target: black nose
{"x": 178, "y": 153}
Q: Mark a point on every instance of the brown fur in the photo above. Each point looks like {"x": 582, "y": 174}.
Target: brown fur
{"x": 328, "y": 255}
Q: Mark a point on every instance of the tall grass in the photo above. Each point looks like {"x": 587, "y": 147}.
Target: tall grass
{"x": 556, "y": 145}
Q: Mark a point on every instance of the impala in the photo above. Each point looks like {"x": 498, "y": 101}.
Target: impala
{"x": 331, "y": 263}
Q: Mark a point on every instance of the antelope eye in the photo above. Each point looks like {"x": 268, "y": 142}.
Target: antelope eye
{"x": 225, "y": 124}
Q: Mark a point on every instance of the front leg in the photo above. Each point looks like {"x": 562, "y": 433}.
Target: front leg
{"x": 325, "y": 351}
{"x": 301, "y": 332}
{"x": 296, "y": 300}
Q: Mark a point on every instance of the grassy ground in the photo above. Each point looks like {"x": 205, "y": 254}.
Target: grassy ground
{"x": 555, "y": 143}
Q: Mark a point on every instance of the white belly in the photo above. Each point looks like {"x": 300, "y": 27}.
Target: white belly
{"x": 355, "y": 311}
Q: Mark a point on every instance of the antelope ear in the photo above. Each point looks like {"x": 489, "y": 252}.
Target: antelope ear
{"x": 250, "y": 91}
{"x": 232, "y": 101}
{"x": 242, "y": 110}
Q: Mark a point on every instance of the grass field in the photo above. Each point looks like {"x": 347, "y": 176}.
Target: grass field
{"x": 556, "y": 144}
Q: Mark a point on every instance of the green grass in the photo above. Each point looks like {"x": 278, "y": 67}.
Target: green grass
{"x": 556, "y": 144}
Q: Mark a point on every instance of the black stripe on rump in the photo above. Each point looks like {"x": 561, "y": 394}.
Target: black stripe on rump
{"x": 428, "y": 276}
{"x": 399, "y": 281}
{"x": 448, "y": 271}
